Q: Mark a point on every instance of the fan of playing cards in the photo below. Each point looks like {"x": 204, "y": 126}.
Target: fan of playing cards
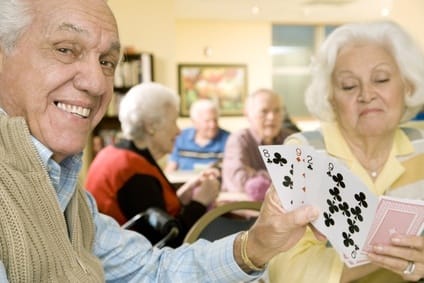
{"x": 352, "y": 217}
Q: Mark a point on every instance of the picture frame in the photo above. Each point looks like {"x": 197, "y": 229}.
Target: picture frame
{"x": 225, "y": 84}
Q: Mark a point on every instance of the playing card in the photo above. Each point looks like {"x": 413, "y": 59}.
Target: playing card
{"x": 395, "y": 216}
{"x": 347, "y": 210}
{"x": 352, "y": 217}
{"x": 286, "y": 168}
{"x": 314, "y": 163}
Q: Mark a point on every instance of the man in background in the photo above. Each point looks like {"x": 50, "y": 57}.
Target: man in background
{"x": 57, "y": 64}
{"x": 243, "y": 170}
{"x": 203, "y": 144}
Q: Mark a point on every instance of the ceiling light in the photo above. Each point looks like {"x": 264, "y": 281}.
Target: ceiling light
{"x": 255, "y": 10}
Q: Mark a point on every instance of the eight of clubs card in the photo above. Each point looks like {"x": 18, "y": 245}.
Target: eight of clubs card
{"x": 285, "y": 166}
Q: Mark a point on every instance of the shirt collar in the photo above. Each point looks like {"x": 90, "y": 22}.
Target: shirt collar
{"x": 337, "y": 147}
{"x": 278, "y": 139}
{"x": 63, "y": 175}
{"x": 191, "y": 133}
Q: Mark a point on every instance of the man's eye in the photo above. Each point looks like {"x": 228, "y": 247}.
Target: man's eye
{"x": 108, "y": 64}
{"x": 108, "y": 67}
{"x": 64, "y": 50}
{"x": 65, "y": 54}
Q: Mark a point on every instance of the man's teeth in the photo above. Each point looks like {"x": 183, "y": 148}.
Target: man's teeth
{"x": 78, "y": 110}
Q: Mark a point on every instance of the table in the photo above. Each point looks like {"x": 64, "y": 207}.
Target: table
{"x": 179, "y": 177}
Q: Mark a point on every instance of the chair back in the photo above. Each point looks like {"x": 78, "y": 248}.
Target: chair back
{"x": 224, "y": 220}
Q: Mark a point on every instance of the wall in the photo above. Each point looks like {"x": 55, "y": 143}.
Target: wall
{"x": 149, "y": 26}
{"x": 409, "y": 14}
{"x": 152, "y": 26}
{"x": 230, "y": 42}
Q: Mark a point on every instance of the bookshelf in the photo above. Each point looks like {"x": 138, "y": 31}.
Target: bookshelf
{"x": 134, "y": 68}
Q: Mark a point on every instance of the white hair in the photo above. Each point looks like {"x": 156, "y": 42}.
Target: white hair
{"x": 15, "y": 17}
{"x": 145, "y": 103}
{"x": 250, "y": 100}
{"x": 406, "y": 53}
{"x": 200, "y": 106}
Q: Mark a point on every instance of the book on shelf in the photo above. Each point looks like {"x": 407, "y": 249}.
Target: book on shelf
{"x": 134, "y": 69}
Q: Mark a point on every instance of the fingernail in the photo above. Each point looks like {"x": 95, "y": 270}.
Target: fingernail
{"x": 313, "y": 213}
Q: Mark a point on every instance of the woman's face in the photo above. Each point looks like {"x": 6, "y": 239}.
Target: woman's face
{"x": 368, "y": 90}
{"x": 162, "y": 140}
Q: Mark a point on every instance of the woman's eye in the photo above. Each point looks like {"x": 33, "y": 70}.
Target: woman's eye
{"x": 382, "y": 80}
{"x": 348, "y": 87}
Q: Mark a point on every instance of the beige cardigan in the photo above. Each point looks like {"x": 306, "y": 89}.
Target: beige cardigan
{"x": 35, "y": 244}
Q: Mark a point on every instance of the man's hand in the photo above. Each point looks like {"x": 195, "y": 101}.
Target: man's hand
{"x": 275, "y": 230}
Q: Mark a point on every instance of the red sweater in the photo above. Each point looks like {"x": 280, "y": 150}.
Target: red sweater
{"x": 111, "y": 169}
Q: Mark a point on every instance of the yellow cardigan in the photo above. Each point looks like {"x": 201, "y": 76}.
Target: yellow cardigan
{"x": 402, "y": 176}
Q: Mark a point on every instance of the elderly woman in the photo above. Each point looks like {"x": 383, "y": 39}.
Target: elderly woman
{"x": 125, "y": 179}
{"x": 367, "y": 80}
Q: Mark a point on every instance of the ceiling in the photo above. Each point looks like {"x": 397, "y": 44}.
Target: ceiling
{"x": 281, "y": 10}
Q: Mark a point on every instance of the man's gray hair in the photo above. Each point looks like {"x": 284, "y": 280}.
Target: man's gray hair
{"x": 200, "y": 106}
{"x": 15, "y": 17}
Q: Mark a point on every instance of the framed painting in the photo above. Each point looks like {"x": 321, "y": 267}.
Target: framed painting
{"x": 225, "y": 84}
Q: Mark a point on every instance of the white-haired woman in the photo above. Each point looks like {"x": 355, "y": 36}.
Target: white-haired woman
{"x": 125, "y": 178}
{"x": 367, "y": 80}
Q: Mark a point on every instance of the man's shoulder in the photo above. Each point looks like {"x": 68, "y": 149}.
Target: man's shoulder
{"x": 241, "y": 136}
{"x": 222, "y": 133}
{"x": 187, "y": 130}
{"x": 240, "y": 132}
{"x": 186, "y": 133}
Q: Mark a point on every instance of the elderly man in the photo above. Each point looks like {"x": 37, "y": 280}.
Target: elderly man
{"x": 201, "y": 145}
{"x": 57, "y": 63}
{"x": 243, "y": 170}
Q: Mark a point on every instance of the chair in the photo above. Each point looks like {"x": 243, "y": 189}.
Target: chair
{"x": 160, "y": 221}
{"x": 224, "y": 220}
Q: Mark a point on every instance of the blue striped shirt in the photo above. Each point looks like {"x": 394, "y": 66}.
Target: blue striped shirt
{"x": 129, "y": 257}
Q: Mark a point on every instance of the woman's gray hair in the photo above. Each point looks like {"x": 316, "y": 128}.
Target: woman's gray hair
{"x": 201, "y": 105}
{"x": 407, "y": 54}
{"x": 15, "y": 17}
{"x": 145, "y": 104}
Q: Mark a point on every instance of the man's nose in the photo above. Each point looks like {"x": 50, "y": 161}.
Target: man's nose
{"x": 90, "y": 77}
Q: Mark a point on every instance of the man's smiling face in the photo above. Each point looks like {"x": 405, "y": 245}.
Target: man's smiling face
{"x": 59, "y": 77}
